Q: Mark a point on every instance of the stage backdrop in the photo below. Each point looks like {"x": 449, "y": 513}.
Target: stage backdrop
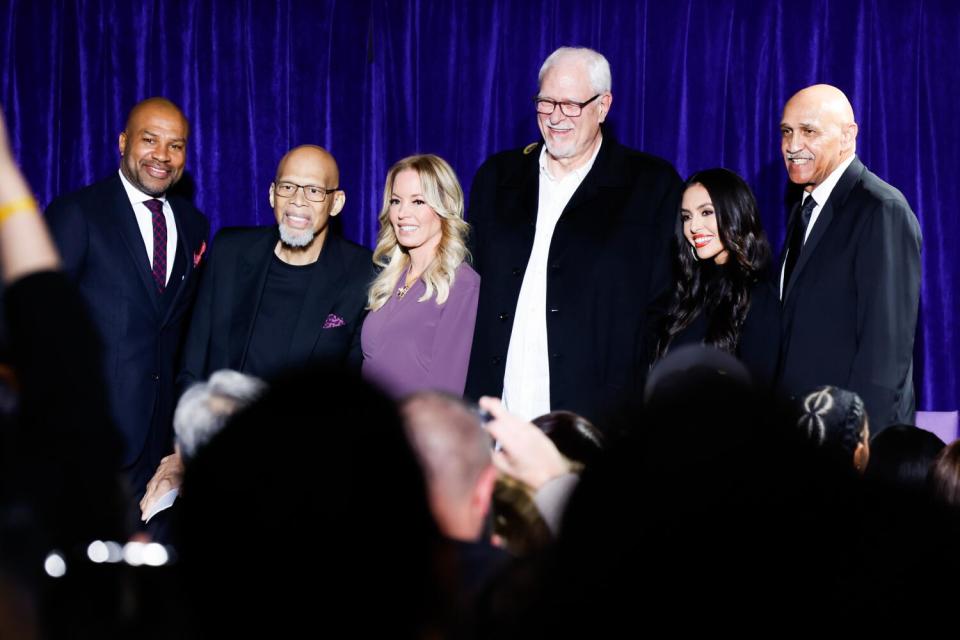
{"x": 700, "y": 83}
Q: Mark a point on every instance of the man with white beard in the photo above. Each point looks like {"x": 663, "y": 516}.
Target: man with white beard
{"x": 573, "y": 238}
{"x": 275, "y": 297}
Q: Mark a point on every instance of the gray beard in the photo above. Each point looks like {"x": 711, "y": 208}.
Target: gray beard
{"x": 295, "y": 239}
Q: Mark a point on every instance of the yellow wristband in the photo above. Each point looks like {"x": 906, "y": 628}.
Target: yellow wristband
{"x": 24, "y": 204}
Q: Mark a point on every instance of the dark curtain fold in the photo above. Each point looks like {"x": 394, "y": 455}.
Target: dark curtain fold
{"x": 701, "y": 83}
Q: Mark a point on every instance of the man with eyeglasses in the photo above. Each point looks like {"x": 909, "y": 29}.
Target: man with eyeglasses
{"x": 277, "y": 297}
{"x": 132, "y": 247}
{"x": 572, "y": 238}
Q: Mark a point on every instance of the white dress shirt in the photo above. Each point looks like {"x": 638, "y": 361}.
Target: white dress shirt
{"x": 820, "y": 195}
{"x": 145, "y": 222}
{"x": 526, "y": 379}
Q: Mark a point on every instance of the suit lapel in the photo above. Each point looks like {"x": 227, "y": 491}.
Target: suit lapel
{"x": 326, "y": 281}
{"x": 791, "y": 222}
{"x": 250, "y": 279}
{"x": 827, "y": 213}
{"x": 126, "y": 222}
{"x": 525, "y": 188}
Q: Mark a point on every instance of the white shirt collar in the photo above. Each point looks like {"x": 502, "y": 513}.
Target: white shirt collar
{"x": 579, "y": 173}
{"x": 135, "y": 195}
{"x": 825, "y": 188}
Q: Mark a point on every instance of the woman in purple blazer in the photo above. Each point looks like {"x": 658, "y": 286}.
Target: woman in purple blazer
{"x": 423, "y": 303}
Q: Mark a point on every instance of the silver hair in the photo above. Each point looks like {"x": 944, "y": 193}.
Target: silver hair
{"x": 597, "y": 66}
{"x": 205, "y": 406}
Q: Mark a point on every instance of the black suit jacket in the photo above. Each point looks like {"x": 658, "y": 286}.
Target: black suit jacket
{"x": 231, "y": 288}
{"x": 609, "y": 263}
{"x": 850, "y": 307}
{"x": 96, "y": 232}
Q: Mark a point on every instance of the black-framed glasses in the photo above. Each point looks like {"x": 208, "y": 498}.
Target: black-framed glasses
{"x": 311, "y": 192}
{"x": 569, "y": 109}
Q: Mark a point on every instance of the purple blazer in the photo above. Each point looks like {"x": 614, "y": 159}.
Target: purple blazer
{"x": 411, "y": 346}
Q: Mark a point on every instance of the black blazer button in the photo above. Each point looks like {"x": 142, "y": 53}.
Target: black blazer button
{"x": 496, "y": 359}
{"x": 504, "y": 316}
{"x": 517, "y": 271}
{"x": 554, "y": 310}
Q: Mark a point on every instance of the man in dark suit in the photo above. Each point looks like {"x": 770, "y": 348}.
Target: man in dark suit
{"x": 573, "y": 239}
{"x": 273, "y": 298}
{"x": 133, "y": 249}
{"x": 276, "y": 297}
{"x": 850, "y": 274}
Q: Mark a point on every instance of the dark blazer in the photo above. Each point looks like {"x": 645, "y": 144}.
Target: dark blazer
{"x": 96, "y": 232}
{"x": 850, "y": 307}
{"x": 231, "y": 288}
{"x": 609, "y": 266}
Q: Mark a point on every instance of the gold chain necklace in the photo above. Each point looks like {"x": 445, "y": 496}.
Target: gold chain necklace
{"x": 402, "y": 291}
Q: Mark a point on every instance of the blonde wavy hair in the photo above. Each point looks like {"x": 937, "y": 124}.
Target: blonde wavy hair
{"x": 441, "y": 190}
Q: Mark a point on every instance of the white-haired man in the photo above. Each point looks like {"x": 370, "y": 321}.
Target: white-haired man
{"x": 201, "y": 413}
{"x": 572, "y": 238}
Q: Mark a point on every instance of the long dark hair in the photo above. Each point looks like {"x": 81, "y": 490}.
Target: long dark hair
{"x": 720, "y": 291}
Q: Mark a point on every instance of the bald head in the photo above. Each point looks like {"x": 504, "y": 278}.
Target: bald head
{"x": 155, "y": 106}
{"x": 828, "y": 100}
{"x": 454, "y": 452}
{"x": 818, "y": 133}
{"x": 311, "y": 154}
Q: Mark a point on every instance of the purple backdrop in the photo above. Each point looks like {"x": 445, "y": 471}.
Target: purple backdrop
{"x": 700, "y": 83}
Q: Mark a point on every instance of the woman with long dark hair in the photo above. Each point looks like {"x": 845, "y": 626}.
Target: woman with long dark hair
{"x": 723, "y": 296}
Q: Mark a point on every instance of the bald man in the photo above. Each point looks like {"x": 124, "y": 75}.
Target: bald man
{"x": 132, "y": 248}
{"x": 280, "y": 296}
{"x": 850, "y": 272}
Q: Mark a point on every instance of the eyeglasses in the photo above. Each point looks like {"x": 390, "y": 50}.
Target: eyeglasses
{"x": 311, "y": 192}
{"x": 569, "y": 109}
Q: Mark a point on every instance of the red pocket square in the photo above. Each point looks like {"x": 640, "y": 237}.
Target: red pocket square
{"x": 198, "y": 254}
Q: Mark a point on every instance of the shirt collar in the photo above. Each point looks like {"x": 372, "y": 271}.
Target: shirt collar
{"x": 135, "y": 195}
{"x": 825, "y": 188}
{"x": 579, "y": 173}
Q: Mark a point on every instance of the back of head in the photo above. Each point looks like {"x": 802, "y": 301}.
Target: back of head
{"x": 453, "y": 449}
{"x": 311, "y": 503}
{"x": 945, "y": 475}
{"x": 574, "y": 436}
{"x": 203, "y": 409}
{"x": 835, "y": 419}
{"x": 901, "y": 456}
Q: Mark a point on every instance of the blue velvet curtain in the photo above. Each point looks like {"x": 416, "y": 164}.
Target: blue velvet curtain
{"x": 699, "y": 82}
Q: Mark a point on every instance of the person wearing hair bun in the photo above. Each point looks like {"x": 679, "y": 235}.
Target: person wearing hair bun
{"x": 723, "y": 296}
{"x": 423, "y": 303}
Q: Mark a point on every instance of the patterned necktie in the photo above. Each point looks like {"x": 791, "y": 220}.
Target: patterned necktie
{"x": 796, "y": 238}
{"x": 159, "y": 243}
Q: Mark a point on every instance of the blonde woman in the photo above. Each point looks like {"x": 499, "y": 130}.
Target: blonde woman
{"x": 423, "y": 303}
